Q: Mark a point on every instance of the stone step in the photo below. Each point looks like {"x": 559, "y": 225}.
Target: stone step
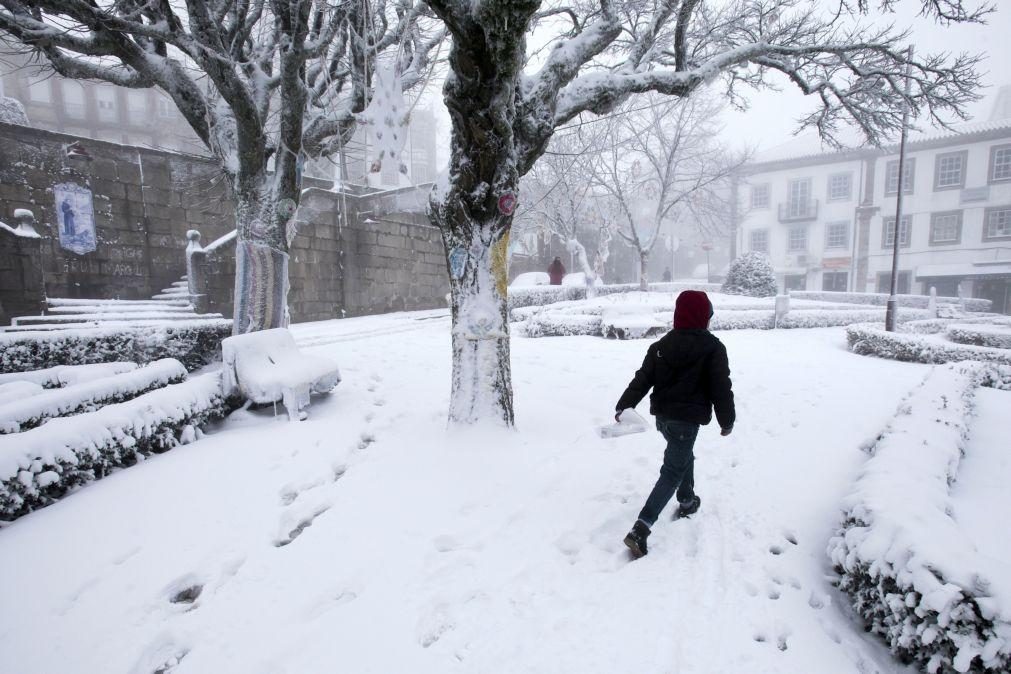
{"x": 120, "y": 308}
{"x": 107, "y": 317}
{"x": 173, "y": 296}
{"x": 73, "y": 302}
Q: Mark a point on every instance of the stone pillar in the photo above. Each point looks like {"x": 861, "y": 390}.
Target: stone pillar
{"x": 196, "y": 271}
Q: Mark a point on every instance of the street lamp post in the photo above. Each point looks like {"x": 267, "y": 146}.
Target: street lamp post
{"x": 891, "y": 309}
{"x": 708, "y": 246}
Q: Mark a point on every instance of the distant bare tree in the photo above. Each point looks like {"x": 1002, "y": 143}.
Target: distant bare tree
{"x": 559, "y": 199}
{"x": 662, "y": 165}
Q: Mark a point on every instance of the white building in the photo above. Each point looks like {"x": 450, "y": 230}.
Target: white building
{"x": 827, "y": 220}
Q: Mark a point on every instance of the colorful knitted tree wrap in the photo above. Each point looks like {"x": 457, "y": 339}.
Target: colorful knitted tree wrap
{"x": 261, "y": 287}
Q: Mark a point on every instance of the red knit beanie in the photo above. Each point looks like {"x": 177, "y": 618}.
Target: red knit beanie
{"x": 692, "y": 310}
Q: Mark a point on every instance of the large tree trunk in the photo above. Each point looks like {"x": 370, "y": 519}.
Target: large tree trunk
{"x": 482, "y": 377}
{"x": 474, "y": 208}
{"x": 261, "y": 255}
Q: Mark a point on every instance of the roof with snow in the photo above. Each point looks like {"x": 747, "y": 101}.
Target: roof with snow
{"x": 809, "y": 149}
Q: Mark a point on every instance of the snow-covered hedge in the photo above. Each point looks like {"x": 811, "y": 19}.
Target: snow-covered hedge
{"x": 539, "y": 295}
{"x": 648, "y": 324}
{"x": 193, "y": 343}
{"x": 873, "y": 340}
{"x": 39, "y": 466}
{"x": 23, "y": 415}
{"x": 881, "y": 299}
{"x": 68, "y": 375}
{"x": 551, "y": 324}
{"x": 543, "y": 295}
{"x": 905, "y": 563}
{"x": 995, "y": 336}
{"x": 751, "y": 274}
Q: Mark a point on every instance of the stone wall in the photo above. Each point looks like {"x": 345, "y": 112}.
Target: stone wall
{"x": 21, "y": 288}
{"x": 354, "y": 254}
{"x": 144, "y": 201}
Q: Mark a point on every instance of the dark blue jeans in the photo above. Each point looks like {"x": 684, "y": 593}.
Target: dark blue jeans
{"x": 678, "y": 470}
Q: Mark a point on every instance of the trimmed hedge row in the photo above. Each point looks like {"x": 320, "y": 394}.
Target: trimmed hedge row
{"x": 23, "y": 415}
{"x": 642, "y": 326}
{"x": 42, "y": 465}
{"x": 67, "y": 375}
{"x": 873, "y": 340}
{"x": 905, "y": 563}
{"x": 980, "y": 335}
{"x": 881, "y": 299}
{"x": 193, "y": 343}
{"x": 542, "y": 295}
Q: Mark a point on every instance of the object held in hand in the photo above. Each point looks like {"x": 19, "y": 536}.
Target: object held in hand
{"x": 628, "y": 422}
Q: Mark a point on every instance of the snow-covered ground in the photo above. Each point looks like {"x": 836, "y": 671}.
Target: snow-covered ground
{"x": 370, "y": 539}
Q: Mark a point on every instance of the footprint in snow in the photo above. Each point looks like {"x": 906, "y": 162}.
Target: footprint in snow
{"x": 817, "y": 600}
{"x": 365, "y": 440}
{"x": 299, "y": 528}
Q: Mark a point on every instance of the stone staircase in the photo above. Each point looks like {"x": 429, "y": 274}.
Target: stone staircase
{"x": 171, "y": 304}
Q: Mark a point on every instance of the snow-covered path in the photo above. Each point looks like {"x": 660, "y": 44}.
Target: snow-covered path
{"x": 368, "y": 539}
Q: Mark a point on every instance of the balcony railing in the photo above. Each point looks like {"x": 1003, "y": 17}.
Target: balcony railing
{"x": 798, "y": 211}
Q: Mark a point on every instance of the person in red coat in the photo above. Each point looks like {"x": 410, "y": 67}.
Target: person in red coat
{"x": 556, "y": 270}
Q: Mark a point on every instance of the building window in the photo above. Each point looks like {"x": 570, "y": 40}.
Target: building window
{"x": 1000, "y": 163}
{"x": 840, "y": 186}
{"x": 166, "y": 109}
{"x": 759, "y": 241}
{"x": 885, "y": 282}
{"x": 798, "y": 198}
{"x": 39, "y": 90}
{"x": 892, "y": 176}
{"x": 837, "y": 235}
{"x": 796, "y": 241}
{"x": 997, "y": 223}
{"x": 834, "y": 281}
{"x": 795, "y": 282}
{"x": 73, "y": 100}
{"x": 945, "y": 228}
{"x": 888, "y": 232}
{"x": 136, "y": 106}
{"x": 760, "y": 196}
{"x": 106, "y": 98}
{"x": 949, "y": 170}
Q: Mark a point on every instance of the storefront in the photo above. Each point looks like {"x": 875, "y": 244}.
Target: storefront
{"x": 985, "y": 280}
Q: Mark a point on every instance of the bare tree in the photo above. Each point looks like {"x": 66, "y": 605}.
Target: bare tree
{"x": 263, "y": 83}
{"x": 663, "y": 165}
{"x": 505, "y": 108}
{"x": 559, "y": 200}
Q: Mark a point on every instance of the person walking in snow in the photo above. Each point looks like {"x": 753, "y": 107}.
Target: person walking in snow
{"x": 556, "y": 270}
{"x": 690, "y": 376}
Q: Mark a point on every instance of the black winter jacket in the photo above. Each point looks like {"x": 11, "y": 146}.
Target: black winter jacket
{"x": 689, "y": 374}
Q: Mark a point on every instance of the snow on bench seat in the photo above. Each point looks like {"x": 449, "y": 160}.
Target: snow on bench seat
{"x": 23, "y": 415}
{"x": 267, "y": 366}
{"x": 68, "y": 375}
{"x": 39, "y": 466}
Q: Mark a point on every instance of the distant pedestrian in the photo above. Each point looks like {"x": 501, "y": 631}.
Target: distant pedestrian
{"x": 666, "y": 275}
{"x": 690, "y": 375}
{"x": 556, "y": 271}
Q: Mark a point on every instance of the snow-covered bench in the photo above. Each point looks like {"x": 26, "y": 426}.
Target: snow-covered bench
{"x": 267, "y": 367}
